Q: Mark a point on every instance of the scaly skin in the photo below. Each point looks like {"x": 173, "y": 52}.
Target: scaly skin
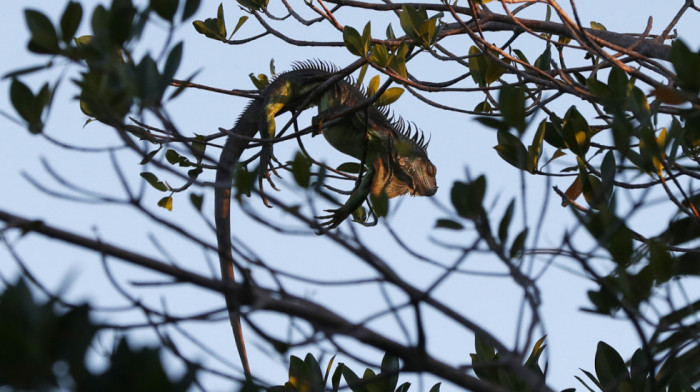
{"x": 395, "y": 157}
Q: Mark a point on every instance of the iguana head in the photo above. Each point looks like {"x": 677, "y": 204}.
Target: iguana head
{"x": 406, "y": 169}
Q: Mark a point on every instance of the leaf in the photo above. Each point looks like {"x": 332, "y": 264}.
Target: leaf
{"x": 516, "y": 248}
{"x": 373, "y": 86}
{"x": 448, "y": 224}
{"x": 241, "y": 20}
{"x": 220, "y": 21}
{"x": 380, "y": 204}
{"x": 511, "y": 102}
{"x": 576, "y": 132}
{"x": 390, "y": 370}
{"x": 505, "y": 222}
{"x": 172, "y": 63}
{"x": 511, "y": 149}
{"x": 166, "y": 202}
{"x": 164, "y": 8}
{"x": 349, "y": 167}
{"x": 354, "y": 382}
{"x": 197, "y": 200}
{"x": 299, "y": 375}
{"x": 301, "y": 170}
{"x": 380, "y": 55}
{"x": 573, "y": 191}
{"x": 315, "y": 376}
{"x": 390, "y": 96}
{"x": 543, "y": 62}
{"x": 534, "y": 150}
{"x": 668, "y": 95}
{"x": 70, "y": 21}
{"x": 610, "y": 367}
{"x": 598, "y": 26}
{"x": 44, "y": 38}
{"x": 209, "y": 27}
{"x": 153, "y": 180}
{"x": 191, "y": 7}
{"x": 148, "y": 157}
{"x": 477, "y": 66}
{"x": 483, "y": 107}
{"x": 435, "y": 388}
{"x": 353, "y": 41}
{"x": 467, "y": 197}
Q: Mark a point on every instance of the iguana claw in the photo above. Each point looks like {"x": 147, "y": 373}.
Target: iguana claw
{"x": 333, "y": 220}
{"x": 267, "y": 166}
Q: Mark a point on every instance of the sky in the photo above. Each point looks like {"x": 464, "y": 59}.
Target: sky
{"x": 459, "y": 147}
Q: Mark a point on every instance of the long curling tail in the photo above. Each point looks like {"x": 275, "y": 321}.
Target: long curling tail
{"x": 247, "y": 126}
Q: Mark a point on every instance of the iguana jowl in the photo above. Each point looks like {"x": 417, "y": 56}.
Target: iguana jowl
{"x": 394, "y": 156}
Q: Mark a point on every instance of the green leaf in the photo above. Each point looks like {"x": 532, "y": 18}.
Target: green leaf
{"x": 191, "y": 7}
{"x": 23, "y": 100}
{"x": 534, "y": 151}
{"x": 511, "y": 149}
{"x": 448, "y": 224}
{"x": 543, "y": 62}
{"x": 610, "y": 367}
{"x": 209, "y": 27}
{"x": 254, "y": 5}
{"x": 353, "y": 41}
{"x": 576, "y": 132}
{"x": 315, "y": 375}
{"x": 380, "y": 204}
{"x": 505, "y": 222}
{"x": 483, "y": 107}
{"x": 299, "y": 374}
{"x": 390, "y": 96}
{"x": 516, "y": 248}
{"x": 166, "y": 202}
{"x": 390, "y": 370}
{"x": 220, "y": 21}
{"x": 354, "y": 382}
{"x": 44, "y": 38}
{"x": 148, "y": 157}
{"x": 687, "y": 66}
{"x": 350, "y": 167}
{"x": 403, "y": 387}
{"x": 301, "y": 170}
{"x": 467, "y": 197}
{"x": 380, "y": 55}
{"x": 241, "y": 20}
{"x": 70, "y": 21}
{"x": 511, "y": 102}
{"x": 164, "y": 8}
{"x": 172, "y": 63}
{"x": 153, "y": 180}
{"x": 197, "y": 199}
{"x": 477, "y": 66}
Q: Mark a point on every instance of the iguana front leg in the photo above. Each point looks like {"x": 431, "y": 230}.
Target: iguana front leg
{"x": 357, "y": 197}
{"x": 274, "y": 104}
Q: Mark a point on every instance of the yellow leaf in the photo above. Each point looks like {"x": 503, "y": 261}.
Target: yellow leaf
{"x": 166, "y": 202}
{"x": 373, "y": 86}
{"x": 390, "y": 96}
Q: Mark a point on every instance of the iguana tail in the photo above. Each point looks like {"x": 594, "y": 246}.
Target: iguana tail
{"x": 247, "y": 126}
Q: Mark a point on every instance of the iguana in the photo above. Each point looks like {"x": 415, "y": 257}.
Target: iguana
{"x": 394, "y": 156}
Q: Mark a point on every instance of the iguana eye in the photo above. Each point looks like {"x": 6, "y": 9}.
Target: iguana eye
{"x": 430, "y": 170}
{"x": 404, "y": 161}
